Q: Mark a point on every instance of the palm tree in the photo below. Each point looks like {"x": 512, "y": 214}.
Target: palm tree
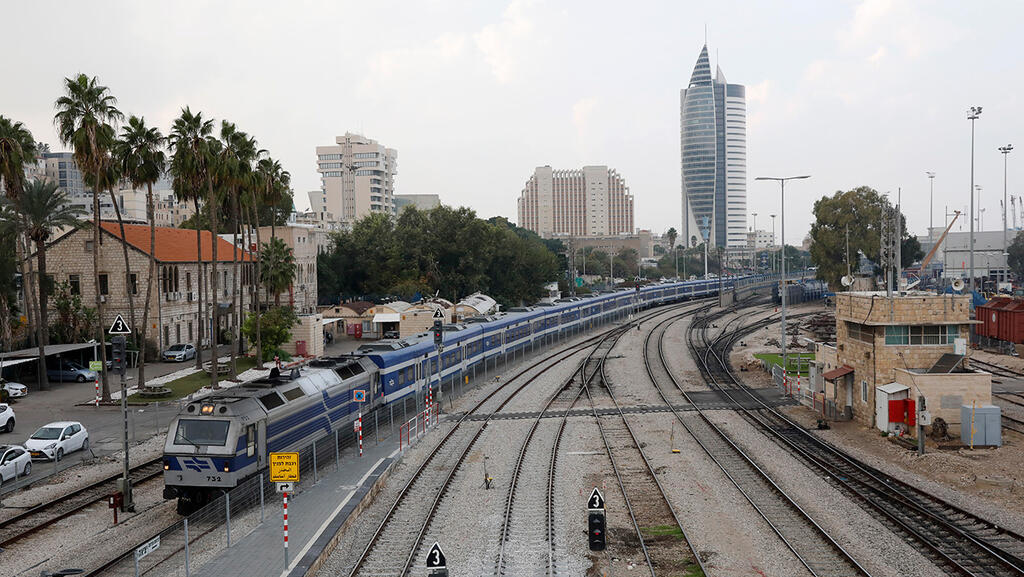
{"x": 82, "y": 113}
{"x": 17, "y": 148}
{"x": 189, "y": 141}
{"x": 237, "y": 156}
{"x": 142, "y": 160}
{"x": 45, "y": 208}
{"x": 275, "y": 183}
{"x": 672, "y": 234}
{"x": 279, "y": 269}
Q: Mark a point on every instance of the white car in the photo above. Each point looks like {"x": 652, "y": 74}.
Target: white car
{"x": 6, "y": 418}
{"x": 15, "y": 390}
{"x": 14, "y": 462}
{"x": 55, "y": 440}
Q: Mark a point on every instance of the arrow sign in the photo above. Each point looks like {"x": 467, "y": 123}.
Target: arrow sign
{"x": 119, "y": 327}
{"x": 596, "y": 500}
{"x": 436, "y": 558}
{"x": 438, "y": 314}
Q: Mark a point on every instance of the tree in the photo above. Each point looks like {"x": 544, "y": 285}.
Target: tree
{"x": 190, "y": 159}
{"x": 74, "y": 321}
{"x": 84, "y": 115}
{"x": 274, "y": 330}
{"x": 275, "y": 181}
{"x": 858, "y": 211}
{"x": 278, "y": 268}
{"x": 45, "y": 208}
{"x": 140, "y": 154}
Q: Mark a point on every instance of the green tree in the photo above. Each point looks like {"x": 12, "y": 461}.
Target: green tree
{"x": 45, "y": 208}
{"x": 274, "y": 330}
{"x": 190, "y": 143}
{"x": 74, "y": 320}
{"x": 18, "y": 148}
{"x": 140, "y": 154}
{"x": 278, "y": 268}
{"x": 84, "y": 116}
{"x": 858, "y": 211}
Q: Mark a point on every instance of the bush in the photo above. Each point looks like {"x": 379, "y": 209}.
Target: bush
{"x": 275, "y": 329}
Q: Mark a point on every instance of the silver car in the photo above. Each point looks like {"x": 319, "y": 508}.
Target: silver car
{"x": 14, "y": 462}
{"x": 179, "y": 352}
{"x": 15, "y": 390}
{"x": 54, "y": 440}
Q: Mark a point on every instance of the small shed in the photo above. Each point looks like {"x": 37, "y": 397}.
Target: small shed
{"x": 388, "y": 316}
{"x": 891, "y": 402}
{"x": 356, "y": 318}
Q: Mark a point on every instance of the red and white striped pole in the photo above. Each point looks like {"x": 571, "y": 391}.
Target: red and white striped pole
{"x": 285, "y": 530}
{"x": 360, "y": 434}
{"x": 97, "y": 389}
{"x": 427, "y": 421}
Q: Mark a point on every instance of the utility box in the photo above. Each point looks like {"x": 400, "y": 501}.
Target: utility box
{"x": 988, "y": 426}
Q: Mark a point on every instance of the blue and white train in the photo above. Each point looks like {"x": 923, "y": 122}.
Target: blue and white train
{"x": 220, "y": 439}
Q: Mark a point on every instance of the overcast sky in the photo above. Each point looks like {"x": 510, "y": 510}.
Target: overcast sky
{"x": 474, "y": 94}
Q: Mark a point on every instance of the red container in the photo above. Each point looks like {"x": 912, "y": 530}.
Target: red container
{"x": 1001, "y": 318}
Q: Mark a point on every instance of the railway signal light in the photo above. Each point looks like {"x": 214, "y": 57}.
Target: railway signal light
{"x": 438, "y": 332}
{"x": 119, "y": 348}
{"x": 595, "y": 531}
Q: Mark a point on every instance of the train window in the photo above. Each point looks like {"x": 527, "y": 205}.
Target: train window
{"x": 271, "y": 401}
{"x": 250, "y": 439}
{"x": 292, "y": 394}
{"x": 201, "y": 432}
{"x": 410, "y": 374}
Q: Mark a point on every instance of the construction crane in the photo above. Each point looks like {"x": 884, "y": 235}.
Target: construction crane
{"x": 931, "y": 253}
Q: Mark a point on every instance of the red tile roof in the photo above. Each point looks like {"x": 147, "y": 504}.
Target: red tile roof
{"x": 174, "y": 244}
{"x": 836, "y": 373}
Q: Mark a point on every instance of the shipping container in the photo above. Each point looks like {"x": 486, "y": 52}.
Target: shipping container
{"x": 1001, "y": 319}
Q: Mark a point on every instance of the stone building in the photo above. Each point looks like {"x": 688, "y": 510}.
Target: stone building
{"x": 303, "y": 240}
{"x": 876, "y": 335}
{"x": 174, "y": 306}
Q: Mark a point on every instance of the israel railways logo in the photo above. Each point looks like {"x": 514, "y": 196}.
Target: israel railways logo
{"x": 197, "y": 465}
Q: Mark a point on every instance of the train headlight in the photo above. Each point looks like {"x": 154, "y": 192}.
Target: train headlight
{"x": 167, "y": 465}
{"x": 207, "y": 410}
{"x": 227, "y": 468}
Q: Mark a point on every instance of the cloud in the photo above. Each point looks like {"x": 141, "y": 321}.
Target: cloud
{"x": 401, "y": 64}
{"x": 502, "y": 43}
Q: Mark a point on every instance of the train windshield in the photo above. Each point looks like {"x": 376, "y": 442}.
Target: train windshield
{"x": 202, "y": 432}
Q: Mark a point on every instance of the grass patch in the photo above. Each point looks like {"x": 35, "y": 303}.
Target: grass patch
{"x": 187, "y": 385}
{"x": 792, "y": 358}
{"x": 662, "y": 531}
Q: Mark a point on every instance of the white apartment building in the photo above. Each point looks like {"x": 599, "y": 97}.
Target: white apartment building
{"x": 759, "y": 240}
{"x": 357, "y": 178}
{"x": 591, "y": 202}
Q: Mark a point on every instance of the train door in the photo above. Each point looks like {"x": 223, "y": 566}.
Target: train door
{"x": 260, "y": 446}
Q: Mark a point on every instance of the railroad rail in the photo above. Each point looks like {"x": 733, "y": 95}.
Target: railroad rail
{"x": 956, "y": 540}
{"x": 650, "y": 516}
{"x": 395, "y": 556}
{"x": 810, "y": 543}
{"x": 45, "y": 514}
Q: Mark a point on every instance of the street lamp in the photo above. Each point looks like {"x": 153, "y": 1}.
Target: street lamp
{"x": 753, "y": 258}
{"x": 1006, "y": 261}
{"x": 782, "y": 183}
{"x": 972, "y": 114}
{"x": 931, "y": 195}
{"x": 773, "y": 241}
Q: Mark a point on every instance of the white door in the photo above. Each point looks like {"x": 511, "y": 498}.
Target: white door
{"x": 8, "y": 466}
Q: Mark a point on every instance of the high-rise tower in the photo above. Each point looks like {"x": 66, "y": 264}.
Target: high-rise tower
{"x": 713, "y": 147}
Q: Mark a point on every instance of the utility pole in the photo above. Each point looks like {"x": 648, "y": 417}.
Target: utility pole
{"x": 972, "y": 115}
{"x": 1006, "y": 255}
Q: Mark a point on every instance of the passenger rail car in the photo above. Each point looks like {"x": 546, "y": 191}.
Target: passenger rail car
{"x": 226, "y": 436}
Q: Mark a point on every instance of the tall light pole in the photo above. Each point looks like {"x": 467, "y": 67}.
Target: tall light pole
{"x": 931, "y": 200}
{"x": 972, "y": 115}
{"x": 782, "y": 212}
{"x": 773, "y": 241}
{"x": 1006, "y": 257}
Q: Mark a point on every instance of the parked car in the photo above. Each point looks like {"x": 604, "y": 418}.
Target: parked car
{"x": 391, "y": 334}
{"x": 15, "y": 390}
{"x": 14, "y": 462}
{"x": 179, "y": 352}
{"x": 55, "y": 440}
{"x": 6, "y": 418}
{"x": 70, "y": 371}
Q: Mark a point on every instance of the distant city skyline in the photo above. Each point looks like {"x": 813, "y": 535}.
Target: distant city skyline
{"x": 870, "y": 92}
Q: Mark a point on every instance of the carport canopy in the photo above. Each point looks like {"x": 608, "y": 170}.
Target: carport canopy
{"x": 48, "y": 350}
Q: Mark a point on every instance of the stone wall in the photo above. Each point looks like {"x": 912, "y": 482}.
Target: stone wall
{"x": 945, "y": 393}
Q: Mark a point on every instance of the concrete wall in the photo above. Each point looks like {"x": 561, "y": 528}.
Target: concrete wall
{"x": 309, "y": 329}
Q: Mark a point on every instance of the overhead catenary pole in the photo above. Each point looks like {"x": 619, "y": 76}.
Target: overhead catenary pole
{"x": 1006, "y": 257}
{"x": 782, "y": 287}
{"x": 972, "y": 114}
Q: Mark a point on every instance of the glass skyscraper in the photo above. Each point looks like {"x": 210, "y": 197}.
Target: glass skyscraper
{"x": 713, "y": 147}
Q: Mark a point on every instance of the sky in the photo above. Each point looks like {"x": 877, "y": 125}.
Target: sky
{"x": 476, "y": 93}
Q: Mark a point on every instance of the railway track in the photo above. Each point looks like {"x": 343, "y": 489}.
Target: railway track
{"x": 663, "y": 540}
{"x": 958, "y": 541}
{"x": 808, "y": 541}
{"x": 394, "y": 545}
{"x": 45, "y": 514}
{"x": 1008, "y": 421}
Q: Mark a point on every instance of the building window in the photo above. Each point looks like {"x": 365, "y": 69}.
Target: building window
{"x": 104, "y": 285}
{"x": 190, "y": 331}
{"x": 88, "y": 246}
{"x": 922, "y": 334}
{"x": 133, "y": 282}
{"x": 863, "y": 391}
{"x": 75, "y": 284}
{"x": 859, "y": 332}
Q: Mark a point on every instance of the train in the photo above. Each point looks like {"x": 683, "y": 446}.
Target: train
{"x": 220, "y": 439}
